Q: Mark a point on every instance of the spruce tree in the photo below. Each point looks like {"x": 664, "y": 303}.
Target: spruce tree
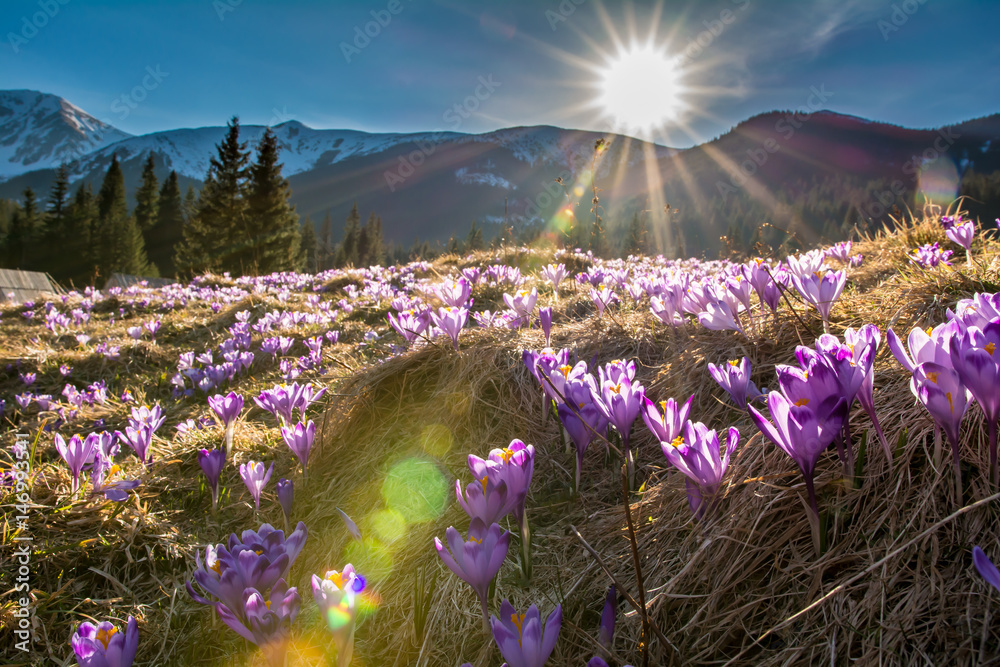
{"x": 190, "y": 203}
{"x": 169, "y": 227}
{"x": 56, "y": 240}
{"x": 309, "y": 248}
{"x": 364, "y": 241}
{"x": 273, "y": 233}
{"x": 59, "y": 200}
{"x": 348, "y": 255}
{"x": 34, "y": 252}
{"x": 147, "y": 197}
{"x": 216, "y": 233}
{"x": 324, "y": 259}
{"x": 474, "y": 241}
{"x": 117, "y": 242}
{"x": 81, "y": 216}
{"x": 16, "y": 240}
{"x": 376, "y": 245}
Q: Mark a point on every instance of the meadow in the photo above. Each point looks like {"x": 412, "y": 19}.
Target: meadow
{"x": 142, "y": 427}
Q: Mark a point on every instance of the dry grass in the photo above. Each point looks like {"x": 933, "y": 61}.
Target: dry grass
{"x": 395, "y": 436}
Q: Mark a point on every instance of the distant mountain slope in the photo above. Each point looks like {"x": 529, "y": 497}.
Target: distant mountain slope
{"x": 790, "y": 175}
{"x": 40, "y": 131}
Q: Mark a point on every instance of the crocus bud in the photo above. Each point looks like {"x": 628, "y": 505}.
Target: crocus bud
{"x": 285, "y": 495}
{"x": 545, "y": 317}
{"x": 607, "y": 633}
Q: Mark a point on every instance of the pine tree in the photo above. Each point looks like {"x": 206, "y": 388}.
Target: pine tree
{"x": 81, "y": 216}
{"x": 166, "y": 233}
{"x": 309, "y": 247}
{"x": 190, "y": 203}
{"x": 474, "y": 241}
{"x": 364, "y": 238}
{"x": 324, "y": 259}
{"x": 34, "y": 252}
{"x": 117, "y": 241}
{"x": 59, "y": 200}
{"x": 147, "y": 197}
{"x": 215, "y": 234}
{"x": 16, "y": 240}
{"x": 376, "y": 245}
{"x": 348, "y": 255}
{"x": 273, "y": 233}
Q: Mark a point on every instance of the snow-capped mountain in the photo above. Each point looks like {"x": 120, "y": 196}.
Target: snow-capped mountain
{"x": 40, "y": 131}
{"x": 188, "y": 151}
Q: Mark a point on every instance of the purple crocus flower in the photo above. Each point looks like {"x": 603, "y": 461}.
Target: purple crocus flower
{"x": 559, "y": 374}
{"x": 522, "y": 303}
{"x": 454, "y": 294}
{"x": 212, "y": 462}
{"x": 522, "y": 640}
{"x": 962, "y": 233}
{"x": 582, "y": 420}
{"x": 930, "y": 255}
{"x": 102, "y": 478}
{"x": 255, "y": 478}
{"x": 696, "y": 454}
{"x": 863, "y": 345}
{"x": 515, "y": 465}
{"x": 620, "y": 400}
{"x": 801, "y": 432}
{"x": 975, "y": 356}
{"x": 254, "y": 559}
{"x": 986, "y": 567}
{"x": 450, "y": 321}
{"x": 940, "y": 390}
{"x": 602, "y": 297}
{"x": 667, "y": 421}
{"x": 280, "y": 400}
{"x": 265, "y": 623}
{"x": 484, "y": 499}
{"x": 335, "y": 595}
{"x": 821, "y": 290}
{"x": 152, "y": 417}
{"x": 227, "y": 409}
{"x": 545, "y": 320}
{"x": 554, "y": 274}
{"x": 77, "y": 453}
{"x": 139, "y": 437}
{"x": 930, "y": 345}
{"x": 734, "y": 377}
{"x": 286, "y": 494}
{"x": 477, "y": 560}
{"x": 720, "y": 316}
{"x": 300, "y": 440}
{"x": 409, "y": 324}
{"x": 543, "y": 363}
{"x": 102, "y": 645}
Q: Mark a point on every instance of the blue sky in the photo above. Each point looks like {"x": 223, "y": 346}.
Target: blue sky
{"x": 919, "y": 64}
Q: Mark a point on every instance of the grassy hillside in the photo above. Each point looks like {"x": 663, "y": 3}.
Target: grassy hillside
{"x": 895, "y": 584}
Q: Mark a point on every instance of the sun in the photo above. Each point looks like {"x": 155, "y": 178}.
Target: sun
{"x": 641, "y": 89}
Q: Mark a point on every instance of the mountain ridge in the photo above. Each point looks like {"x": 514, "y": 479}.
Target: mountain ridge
{"x": 431, "y": 185}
